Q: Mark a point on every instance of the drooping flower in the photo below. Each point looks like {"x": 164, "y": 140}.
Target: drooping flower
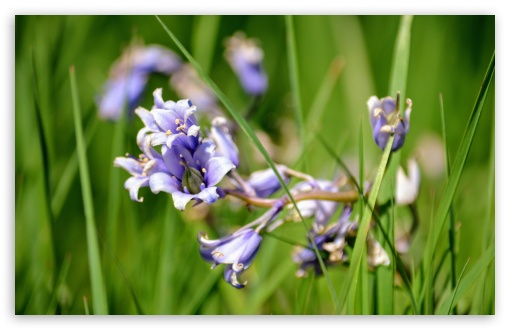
{"x": 129, "y": 75}
{"x": 236, "y": 251}
{"x": 407, "y": 186}
{"x": 330, "y": 245}
{"x": 321, "y": 210}
{"x": 245, "y": 58}
{"x": 141, "y": 170}
{"x": 385, "y": 119}
{"x": 265, "y": 182}
{"x": 225, "y": 146}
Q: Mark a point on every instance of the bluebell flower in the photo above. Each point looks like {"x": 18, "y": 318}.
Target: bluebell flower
{"x": 385, "y": 119}
{"x": 225, "y": 146}
{"x": 245, "y": 58}
{"x": 265, "y": 182}
{"x": 141, "y": 170}
{"x": 236, "y": 251}
{"x": 321, "y": 210}
{"x": 193, "y": 174}
{"x": 171, "y": 122}
{"x": 330, "y": 243}
{"x": 129, "y": 75}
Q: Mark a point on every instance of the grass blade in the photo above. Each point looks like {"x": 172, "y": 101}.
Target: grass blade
{"x": 96, "y": 276}
{"x": 451, "y": 230}
{"x": 457, "y": 287}
{"x": 398, "y": 80}
{"x": 460, "y": 159}
{"x": 294, "y": 75}
{"x": 467, "y": 281}
{"x": 205, "y": 34}
{"x": 363, "y": 226}
{"x": 254, "y": 139}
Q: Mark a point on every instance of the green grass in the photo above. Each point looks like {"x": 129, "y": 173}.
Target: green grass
{"x": 83, "y": 247}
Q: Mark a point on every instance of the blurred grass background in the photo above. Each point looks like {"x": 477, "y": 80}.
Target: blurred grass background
{"x": 153, "y": 265}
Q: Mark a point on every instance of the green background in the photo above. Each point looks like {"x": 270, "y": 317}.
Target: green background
{"x": 153, "y": 265}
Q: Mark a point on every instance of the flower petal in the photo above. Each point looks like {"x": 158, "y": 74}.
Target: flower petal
{"x": 133, "y": 184}
{"x": 216, "y": 169}
{"x": 181, "y": 199}
{"x": 131, "y": 165}
{"x": 163, "y": 182}
{"x": 208, "y": 195}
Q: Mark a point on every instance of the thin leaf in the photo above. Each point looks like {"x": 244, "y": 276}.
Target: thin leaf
{"x": 205, "y": 35}
{"x": 363, "y": 226}
{"x": 467, "y": 281}
{"x": 451, "y": 230}
{"x": 96, "y": 276}
{"x": 460, "y": 160}
{"x": 457, "y": 287}
{"x": 398, "y": 80}
{"x": 294, "y": 75}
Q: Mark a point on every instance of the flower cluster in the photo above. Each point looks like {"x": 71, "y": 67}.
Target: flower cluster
{"x": 187, "y": 165}
{"x": 181, "y": 159}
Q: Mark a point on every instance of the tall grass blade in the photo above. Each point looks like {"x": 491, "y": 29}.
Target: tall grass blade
{"x": 96, "y": 277}
{"x": 363, "y": 226}
{"x": 467, "y": 281}
{"x": 294, "y": 75}
{"x": 205, "y": 35}
{"x": 460, "y": 159}
{"x": 457, "y": 287}
{"x": 254, "y": 139}
{"x": 451, "y": 230}
{"x": 67, "y": 175}
{"x": 398, "y": 80}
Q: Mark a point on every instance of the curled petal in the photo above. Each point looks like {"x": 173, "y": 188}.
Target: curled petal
{"x": 133, "y": 184}
{"x": 181, "y": 199}
{"x": 216, "y": 169}
{"x": 231, "y": 277}
{"x": 265, "y": 182}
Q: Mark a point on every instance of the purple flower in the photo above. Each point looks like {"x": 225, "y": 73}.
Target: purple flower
{"x": 129, "y": 75}
{"x": 320, "y": 209}
{"x": 141, "y": 170}
{"x": 385, "y": 119}
{"x": 171, "y": 123}
{"x": 225, "y": 146}
{"x": 192, "y": 174}
{"x": 245, "y": 58}
{"x": 265, "y": 182}
{"x": 330, "y": 244}
{"x": 236, "y": 251}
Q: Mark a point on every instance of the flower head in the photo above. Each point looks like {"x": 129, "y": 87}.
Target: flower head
{"x": 245, "y": 58}
{"x": 385, "y": 119}
{"x": 171, "y": 123}
{"x": 330, "y": 244}
{"x": 193, "y": 174}
{"x": 236, "y": 251}
{"x": 129, "y": 75}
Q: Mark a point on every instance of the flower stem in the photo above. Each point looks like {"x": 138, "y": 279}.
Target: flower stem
{"x": 343, "y": 197}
